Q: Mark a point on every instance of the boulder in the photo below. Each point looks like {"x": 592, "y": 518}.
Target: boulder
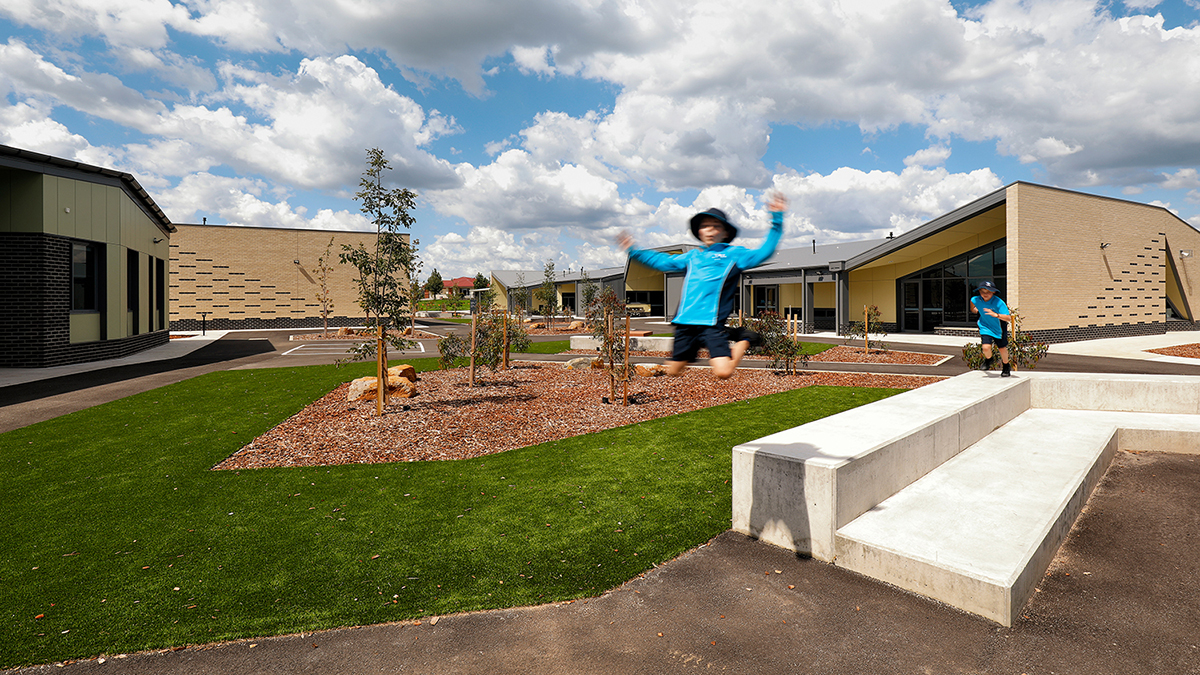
{"x": 537, "y": 325}
{"x": 582, "y": 363}
{"x": 407, "y": 331}
{"x": 345, "y": 331}
{"x": 362, "y": 389}
{"x": 366, "y": 388}
{"x": 649, "y": 370}
{"x": 576, "y": 325}
{"x": 401, "y": 387}
{"x": 403, "y": 370}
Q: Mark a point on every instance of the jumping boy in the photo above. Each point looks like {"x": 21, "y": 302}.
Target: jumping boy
{"x": 710, "y": 287}
{"x": 993, "y": 324}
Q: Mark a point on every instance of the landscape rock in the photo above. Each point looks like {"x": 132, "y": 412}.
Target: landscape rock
{"x": 649, "y": 370}
{"x": 582, "y": 363}
{"x": 345, "y": 331}
{"x": 363, "y": 388}
{"x": 576, "y": 325}
{"x": 366, "y": 388}
{"x": 401, "y": 387}
{"x": 403, "y": 370}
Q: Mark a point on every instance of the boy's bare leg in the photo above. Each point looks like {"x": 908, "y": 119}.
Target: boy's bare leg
{"x": 987, "y": 352}
{"x": 723, "y": 366}
{"x": 675, "y": 368}
{"x": 1004, "y": 355}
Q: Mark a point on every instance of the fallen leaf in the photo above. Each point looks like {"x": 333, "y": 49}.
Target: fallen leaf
{"x": 433, "y": 621}
{"x": 660, "y": 635}
{"x": 39, "y": 616}
{"x": 253, "y": 646}
{"x": 790, "y": 586}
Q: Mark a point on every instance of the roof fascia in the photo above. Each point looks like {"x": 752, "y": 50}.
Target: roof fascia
{"x": 943, "y": 222}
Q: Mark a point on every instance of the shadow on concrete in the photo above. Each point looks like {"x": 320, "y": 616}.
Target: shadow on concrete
{"x": 218, "y": 352}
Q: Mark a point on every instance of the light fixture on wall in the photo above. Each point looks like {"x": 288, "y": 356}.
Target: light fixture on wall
{"x": 1105, "y": 244}
{"x": 158, "y": 240}
{"x": 296, "y": 262}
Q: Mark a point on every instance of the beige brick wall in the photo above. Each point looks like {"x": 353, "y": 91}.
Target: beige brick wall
{"x": 1060, "y": 277}
{"x": 247, "y": 273}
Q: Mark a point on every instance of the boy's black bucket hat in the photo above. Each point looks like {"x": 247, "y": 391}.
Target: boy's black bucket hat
{"x": 988, "y": 286}
{"x": 719, "y": 215}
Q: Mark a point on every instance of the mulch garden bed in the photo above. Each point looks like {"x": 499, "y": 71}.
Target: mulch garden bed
{"x": 332, "y": 335}
{"x": 1191, "y": 351}
{"x": 838, "y": 354}
{"x": 514, "y": 408}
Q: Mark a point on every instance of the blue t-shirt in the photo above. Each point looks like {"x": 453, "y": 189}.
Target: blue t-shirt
{"x": 990, "y": 325}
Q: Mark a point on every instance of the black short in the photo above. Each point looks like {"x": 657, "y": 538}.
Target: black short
{"x": 1001, "y": 342}
{"x": 689, "y": 340}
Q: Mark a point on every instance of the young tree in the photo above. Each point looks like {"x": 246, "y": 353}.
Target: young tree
{"x": 414, "y": 291}
{"x": 324, "y": 294}
{"x": 480, "y": 281}
{"x": 491, "y": 343}
{"x": 383, "y": 269}
{"x": 520, "y": 294}
{"x": 434, "y": 284}
{"x": 548, "y": 293}
{"x": 588, "y": 291}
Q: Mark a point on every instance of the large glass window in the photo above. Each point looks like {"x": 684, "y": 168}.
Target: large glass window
{"x": 85, "y": 277}
{"x": 940, "y": 295}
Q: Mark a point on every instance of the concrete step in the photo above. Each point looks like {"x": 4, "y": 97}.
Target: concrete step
{"x": 979, "y": 531}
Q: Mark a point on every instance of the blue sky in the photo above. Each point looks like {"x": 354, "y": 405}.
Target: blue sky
{"x": 535, "y": 130}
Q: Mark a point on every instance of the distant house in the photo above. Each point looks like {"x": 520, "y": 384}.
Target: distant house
{"x": 84, "y": 259}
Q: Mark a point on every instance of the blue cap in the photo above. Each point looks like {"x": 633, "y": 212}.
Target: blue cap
{"x": 987, "y": 286}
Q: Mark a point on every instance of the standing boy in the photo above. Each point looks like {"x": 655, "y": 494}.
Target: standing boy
{"x": 710, "y": 287}
{"x": 993, "y": 323}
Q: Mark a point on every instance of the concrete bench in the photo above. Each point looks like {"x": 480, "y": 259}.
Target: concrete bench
{"x": 795, "y": 488}
{"x": 883, "y": 489}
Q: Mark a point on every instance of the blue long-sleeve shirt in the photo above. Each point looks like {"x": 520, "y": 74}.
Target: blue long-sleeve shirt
{"x": 711, "y": 282}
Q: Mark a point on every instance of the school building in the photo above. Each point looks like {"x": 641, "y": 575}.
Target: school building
{"x": 84, "y": 260}
{"x": 1074, "y": 266}
{"x": 226, "y": 277}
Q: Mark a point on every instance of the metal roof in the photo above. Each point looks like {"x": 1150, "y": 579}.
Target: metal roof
{"x": 508, "y": 278}
{"x": 27, "y": 160}
{"x": 804, "y": 257}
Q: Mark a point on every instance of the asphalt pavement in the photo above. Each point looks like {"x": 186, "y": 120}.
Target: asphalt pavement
{"x": 1123, "y": 595}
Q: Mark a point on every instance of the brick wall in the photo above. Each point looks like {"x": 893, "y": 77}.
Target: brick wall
{"x": 1067, "y": 287}
{"x": 247, "y": 277}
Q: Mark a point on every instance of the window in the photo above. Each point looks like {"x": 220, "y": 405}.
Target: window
{"x": 940, "y": 295}
{"x": 85, "y": 277}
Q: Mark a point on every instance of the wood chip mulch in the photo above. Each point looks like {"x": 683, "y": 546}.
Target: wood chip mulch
{"x": 515, "y": 408}
{"x": 332, "y": 335}
{"x": 1191, "y": 351}
{"x": 839, "y": 354}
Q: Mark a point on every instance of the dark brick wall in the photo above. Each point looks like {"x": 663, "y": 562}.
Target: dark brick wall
{"x": 1078, "y": 333}
{"x": 222, "y": 323}
{"x": 35, "y": 307}
{"x": 35, "y": 297}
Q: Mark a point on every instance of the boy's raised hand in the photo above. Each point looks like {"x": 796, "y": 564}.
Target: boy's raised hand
{"x": 624, "y": 240}
{"x": 777, "y": 202}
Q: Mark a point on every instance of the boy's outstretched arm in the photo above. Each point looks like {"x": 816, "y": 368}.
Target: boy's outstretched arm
{"x": 777, "y": 205}
{"x": 663, "y": 262}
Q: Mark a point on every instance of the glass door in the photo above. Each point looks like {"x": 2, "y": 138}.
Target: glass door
{"x": 912, "y": 306}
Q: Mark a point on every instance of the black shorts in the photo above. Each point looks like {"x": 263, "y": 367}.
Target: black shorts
{"x": 689, "y": 340}
{"x": 1001, "y": 342}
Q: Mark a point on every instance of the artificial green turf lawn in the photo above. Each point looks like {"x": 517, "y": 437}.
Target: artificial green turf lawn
{"x": 111, "y": 509}
{"x": 549, "y": 347}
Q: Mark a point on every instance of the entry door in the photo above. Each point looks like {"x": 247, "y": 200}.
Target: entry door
{"x": 766, "y": 299}
{"x": 912, "y": 306}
